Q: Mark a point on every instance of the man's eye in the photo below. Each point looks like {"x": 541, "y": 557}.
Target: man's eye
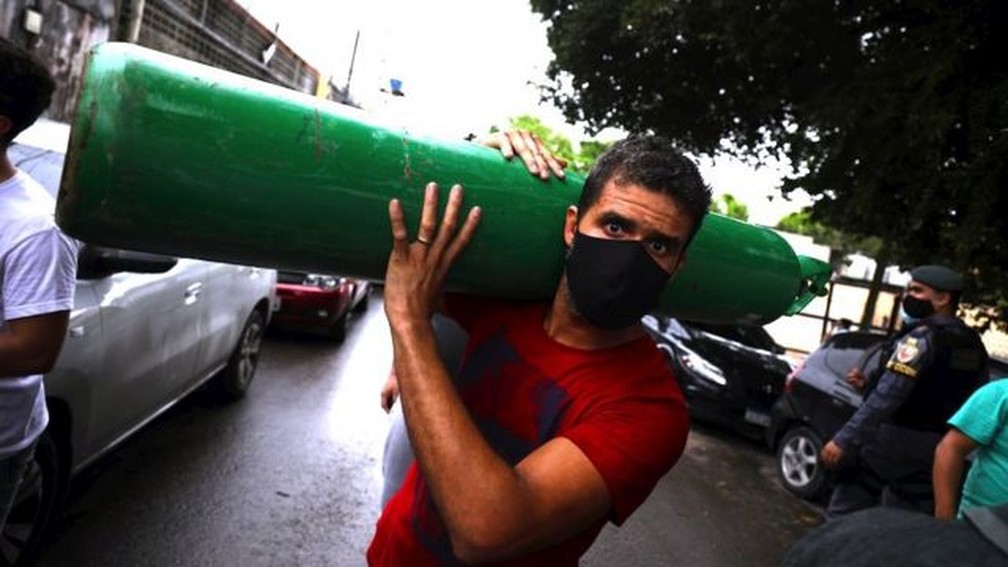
{"x": 614, "y": 228}
{"x": 657, "y": 247}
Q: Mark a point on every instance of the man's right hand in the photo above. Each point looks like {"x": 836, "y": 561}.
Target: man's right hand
{"x": 831, "y": 455}
{"x": 856, "y": 378}
{"x": 389, "y": 391}
{"x": 537, "y": 158}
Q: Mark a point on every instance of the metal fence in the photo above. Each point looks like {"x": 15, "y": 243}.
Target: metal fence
{"x": 219, "y": 33}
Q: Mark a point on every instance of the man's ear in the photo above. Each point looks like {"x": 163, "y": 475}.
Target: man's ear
{"x": 570, "y": 225}
{"x": 6, "y": 125}
{"x": 942, "y": 300}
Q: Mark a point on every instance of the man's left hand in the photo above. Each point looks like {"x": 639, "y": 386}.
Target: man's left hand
{"x": 831, "y": 455}
{"x": 538, "y": 159}
{"x": 416, "y": 270}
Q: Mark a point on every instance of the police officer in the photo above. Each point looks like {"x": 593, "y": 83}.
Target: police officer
{"x": 936, "y": 363}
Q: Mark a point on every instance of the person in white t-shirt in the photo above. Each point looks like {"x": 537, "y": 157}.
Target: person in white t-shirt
{"x": 38, "y": 266}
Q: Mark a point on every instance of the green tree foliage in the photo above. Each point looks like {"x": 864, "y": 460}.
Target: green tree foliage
{"x": 893, "y": 113}
{"x": 728, "y": 205}
{"x": 801, "y": 222}
{"x": 580, "y": 161}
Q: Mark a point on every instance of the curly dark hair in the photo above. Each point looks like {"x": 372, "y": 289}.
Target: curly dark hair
{"x": 653, "y": 163}
{"x": 26, "y": 88}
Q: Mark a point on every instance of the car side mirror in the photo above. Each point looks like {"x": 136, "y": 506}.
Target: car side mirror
{"x": 97, "y": 262}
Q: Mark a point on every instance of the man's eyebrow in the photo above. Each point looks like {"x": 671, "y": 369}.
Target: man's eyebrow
{"x": 673, "y": 242}
{"x": 626, "y": 222}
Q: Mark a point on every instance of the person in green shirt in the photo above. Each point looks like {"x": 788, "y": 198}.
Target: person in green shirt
{"x": 980, "y": 425}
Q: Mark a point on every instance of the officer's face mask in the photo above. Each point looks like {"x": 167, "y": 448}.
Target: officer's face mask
{"x": 613, "y": 283}
{"x": 914, "y": 309}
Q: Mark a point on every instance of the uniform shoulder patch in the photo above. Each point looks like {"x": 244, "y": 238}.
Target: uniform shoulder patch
{"x": 908, "y": 357}
{"x": 908, "y": 350}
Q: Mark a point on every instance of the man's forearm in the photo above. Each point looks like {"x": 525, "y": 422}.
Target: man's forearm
{"x": 947, "y": 471}
{"x": 478, "y": 494}
{"x": 947, "y": 476}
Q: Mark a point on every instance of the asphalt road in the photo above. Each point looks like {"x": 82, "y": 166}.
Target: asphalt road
{"x": 292, "y": 475}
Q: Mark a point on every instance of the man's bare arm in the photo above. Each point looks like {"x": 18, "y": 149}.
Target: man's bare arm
{"x": 491, "y": 509}
{"x": 30, "y": 345}
{"x": 949, "y": 463}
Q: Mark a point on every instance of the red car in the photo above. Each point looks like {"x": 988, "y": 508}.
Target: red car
{"x": 319, "y": 302}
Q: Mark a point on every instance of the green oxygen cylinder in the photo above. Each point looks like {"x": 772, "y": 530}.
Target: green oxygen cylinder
{"x": 174, "y": 157}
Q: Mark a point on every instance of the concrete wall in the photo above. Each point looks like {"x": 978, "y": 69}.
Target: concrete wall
{"x": 68, "y": 31}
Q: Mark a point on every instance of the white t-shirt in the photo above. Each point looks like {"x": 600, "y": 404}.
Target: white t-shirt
{"x": 38, "y": 268}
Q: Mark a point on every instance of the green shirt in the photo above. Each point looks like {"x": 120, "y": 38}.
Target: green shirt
{"x": 984, "y": 419}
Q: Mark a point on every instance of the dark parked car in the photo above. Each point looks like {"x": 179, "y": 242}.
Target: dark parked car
{"x": 319, "y": 302}
{"x": 731, "y": 374}
{"x": 817, "y": 402}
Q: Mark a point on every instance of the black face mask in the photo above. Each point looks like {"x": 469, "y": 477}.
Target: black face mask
{"x": 917, "y": 308}
{"x": 613, "y": 283}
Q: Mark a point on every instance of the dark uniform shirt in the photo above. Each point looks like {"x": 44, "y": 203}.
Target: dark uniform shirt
{"x": 932, "y": 370}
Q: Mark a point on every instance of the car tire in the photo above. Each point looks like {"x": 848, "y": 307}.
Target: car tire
{"x": 234, "y": 379}
{"x": 362, "y": 305}
{"x": 798, "y": 465}
{"x": 36, "y": 506}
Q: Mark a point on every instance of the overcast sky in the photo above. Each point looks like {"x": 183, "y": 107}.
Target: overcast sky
{"x": 465, "y": 65}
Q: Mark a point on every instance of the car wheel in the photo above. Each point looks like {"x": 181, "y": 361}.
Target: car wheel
{"x": 36, "y": 505}
{"x": 798, "y": 463}
{"x": 362, "y": 305}
{"x": 234, "y": 380}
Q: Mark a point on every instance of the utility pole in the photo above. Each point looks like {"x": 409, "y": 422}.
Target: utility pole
{"x": 353, "y": 57}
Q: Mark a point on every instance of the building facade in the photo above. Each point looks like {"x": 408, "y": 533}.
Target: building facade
{"x": 219, "y": 33}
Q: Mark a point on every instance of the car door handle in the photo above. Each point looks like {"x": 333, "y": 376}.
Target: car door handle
{"x": 77, "y": 331}
{"x": 192, "y": 293}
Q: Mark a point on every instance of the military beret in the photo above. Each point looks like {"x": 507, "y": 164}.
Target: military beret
{"x": 938, "y": 277}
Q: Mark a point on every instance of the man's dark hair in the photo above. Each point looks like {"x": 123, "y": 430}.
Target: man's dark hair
{"x": 26, "y": 88}
{"x": 653, "y": 163}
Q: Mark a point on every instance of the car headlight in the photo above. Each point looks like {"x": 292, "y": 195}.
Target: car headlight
{"x": 701, "y": 367}
{"x": 322, "y": 281}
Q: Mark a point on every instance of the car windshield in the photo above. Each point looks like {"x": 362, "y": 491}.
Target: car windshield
{"x": 664, "y": 324}
{"x": 848, "y": 350}
{"x": 290, "y": 277}
{"x": 749, "y": 335}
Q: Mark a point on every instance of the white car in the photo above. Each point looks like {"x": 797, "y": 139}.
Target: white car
{"x": 145, "y": 330}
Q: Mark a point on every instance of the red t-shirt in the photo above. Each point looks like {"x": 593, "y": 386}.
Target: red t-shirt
{"x": 620, "y": 406}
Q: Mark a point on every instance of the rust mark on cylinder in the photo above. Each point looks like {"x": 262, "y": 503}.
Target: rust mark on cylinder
{"x": 407, "y": 161}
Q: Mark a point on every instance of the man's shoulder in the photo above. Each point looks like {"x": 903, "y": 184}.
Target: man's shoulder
{"x": 942, "y": 324}
{"x": 994, "y": 391}
{"x": 25, "y": 200}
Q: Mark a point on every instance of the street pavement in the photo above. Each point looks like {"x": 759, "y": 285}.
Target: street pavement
{"x": 292, "y": 476}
